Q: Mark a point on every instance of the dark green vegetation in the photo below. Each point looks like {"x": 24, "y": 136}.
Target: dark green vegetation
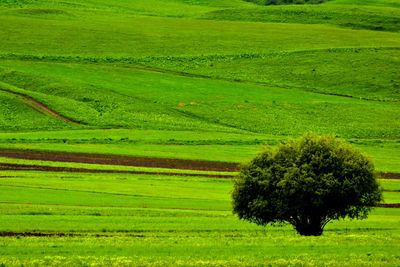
{"x": 285, "y": 2}
{"x": 193, "y": 79}
{"x": 306, "y": 183}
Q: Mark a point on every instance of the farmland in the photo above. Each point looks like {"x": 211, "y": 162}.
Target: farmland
{"x": 163, "y": 219}
{"x": 123, "y": 123}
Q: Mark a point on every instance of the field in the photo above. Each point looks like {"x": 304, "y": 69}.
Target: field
{"x": 123, "y": 124}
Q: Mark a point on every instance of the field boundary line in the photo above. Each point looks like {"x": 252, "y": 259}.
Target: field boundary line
{"x": 192, "y": 209}
{"x": 28, "y": 167}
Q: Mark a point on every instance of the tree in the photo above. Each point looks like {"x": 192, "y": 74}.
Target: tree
{"x": 307, "y": 184}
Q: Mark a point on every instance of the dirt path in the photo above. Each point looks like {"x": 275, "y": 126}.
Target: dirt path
{"x": 120, "y": 160}
{"x": 40, "y": 107}
{"x": 23, "y": 167}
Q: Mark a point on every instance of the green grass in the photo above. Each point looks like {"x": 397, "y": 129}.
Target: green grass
{"x": 385, "y": 3}
{"x": 15, "y": 115}
{"x": 157, "y": 225}
{"x": 383, "y": 155}
{"x": 390, "y": 184}
{"x": 167, "y": 8}
{"x": 341, "y": 71}
{"x": 116, "y": 91}
{"x": 191, "y": 79}
{"x": 378, "y": 18}
{"x": 237, "y": 250}
{"x": 122, "y": 36}
{"x": 107, "y": 96}
{"x": 391, "y": 197}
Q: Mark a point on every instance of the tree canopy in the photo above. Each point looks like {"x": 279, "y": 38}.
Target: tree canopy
{"x": 307, "y": 184}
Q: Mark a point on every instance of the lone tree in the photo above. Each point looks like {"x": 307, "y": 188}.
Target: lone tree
{"x": 307, "y": 184}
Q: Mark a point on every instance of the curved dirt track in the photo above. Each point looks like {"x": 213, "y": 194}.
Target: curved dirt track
{"x": 120, "y": 160}
{"x": 40, "y": 107}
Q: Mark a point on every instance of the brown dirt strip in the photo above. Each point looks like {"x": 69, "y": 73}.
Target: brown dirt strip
{"x": 23, "y": 167}
{"x": 35, "y": 234}
{"x": 391, "y": 190}
{"x": 108, "y": 159}
{"x": 391, "y": 205}
{"x": 40, "y": 107}
{"x": 388, "y": 175}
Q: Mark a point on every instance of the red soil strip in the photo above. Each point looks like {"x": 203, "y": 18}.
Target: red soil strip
{"x": 24, "y": 167}
{"x": 40, "y": 107}
{"x": 120, "y": 160}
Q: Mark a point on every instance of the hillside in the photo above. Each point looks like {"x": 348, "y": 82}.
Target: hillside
{"x": 172, "y": 83}
{"x": 152, "y": 66}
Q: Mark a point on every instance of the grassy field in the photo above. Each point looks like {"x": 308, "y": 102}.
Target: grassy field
{"x": 154, "y": 220}
{"x": 209, "y": 80}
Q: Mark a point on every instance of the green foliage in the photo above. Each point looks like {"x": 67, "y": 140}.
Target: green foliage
{"x": 307, "y": 184}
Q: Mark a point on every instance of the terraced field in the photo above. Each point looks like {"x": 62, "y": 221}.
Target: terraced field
{"x": 123, "y": 123}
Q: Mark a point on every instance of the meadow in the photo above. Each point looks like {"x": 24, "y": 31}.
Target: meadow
{"x": 206, "y": 81}
{"x": 153, "y": 220}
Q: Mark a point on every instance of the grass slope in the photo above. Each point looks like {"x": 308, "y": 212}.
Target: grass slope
{"x": 193, "y": 79}
{"x": 129, "y": 97}
{"x": 164, "y": 72}
{"x": 349, "y": 15}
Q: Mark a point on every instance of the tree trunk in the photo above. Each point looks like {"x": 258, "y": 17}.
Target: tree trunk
{"x": 309, "y": 228}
